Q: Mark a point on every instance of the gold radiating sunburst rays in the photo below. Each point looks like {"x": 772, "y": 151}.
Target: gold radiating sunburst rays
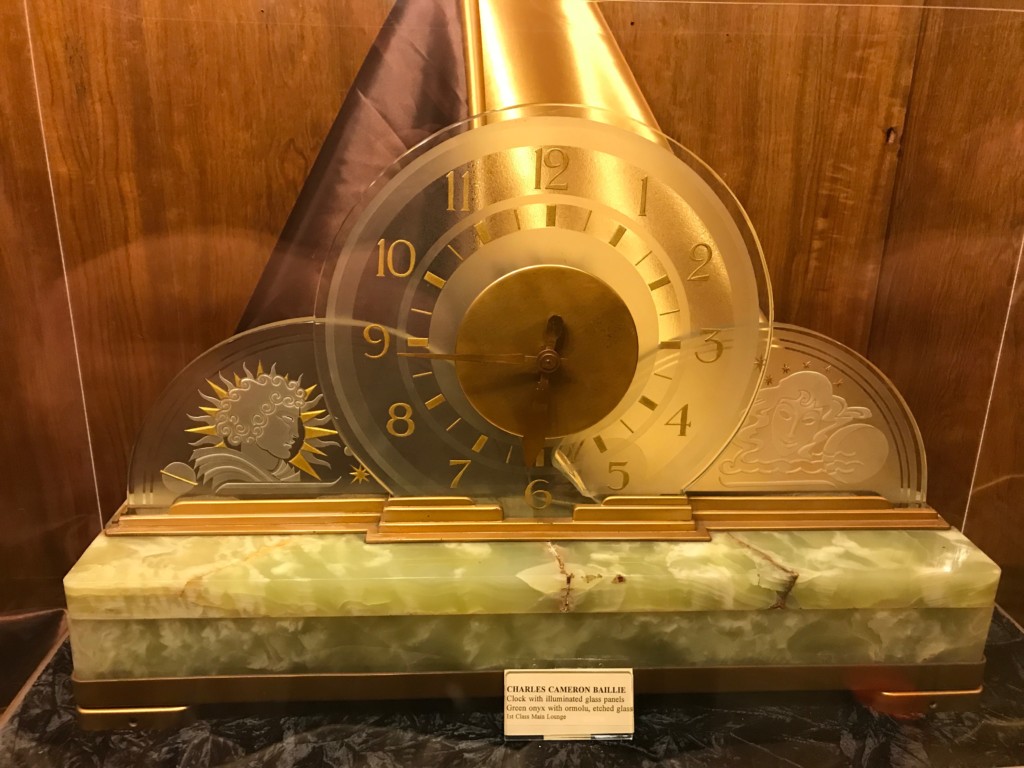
{"x": 242, "y": 393}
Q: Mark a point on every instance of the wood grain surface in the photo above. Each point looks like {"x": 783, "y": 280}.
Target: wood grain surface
{"x": 798, "y": 108}
{"x": 876, "y": 148}
{"x": 179, "y": 136}
{"x": 995, "y": 510}
{"x": 954, "y": 237}
{"x": 995, "y": 514}
{"x": 48, "y": 509}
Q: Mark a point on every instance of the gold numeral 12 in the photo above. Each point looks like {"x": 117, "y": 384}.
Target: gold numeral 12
{"x": 451, "y": 191}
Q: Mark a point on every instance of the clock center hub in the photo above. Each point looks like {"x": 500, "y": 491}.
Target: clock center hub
{"x": 548, "y": 361}
{"x": 587, "y": 375}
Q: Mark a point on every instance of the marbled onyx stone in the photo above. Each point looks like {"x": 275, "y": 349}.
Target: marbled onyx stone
{"x": 159, "y": 606}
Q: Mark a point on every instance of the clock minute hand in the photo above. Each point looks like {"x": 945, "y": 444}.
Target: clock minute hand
{"x": 538, "y": 417}
{"x": 509, "y": 358}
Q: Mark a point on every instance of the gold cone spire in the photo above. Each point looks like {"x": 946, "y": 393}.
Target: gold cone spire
{"x": 547, "y": 52}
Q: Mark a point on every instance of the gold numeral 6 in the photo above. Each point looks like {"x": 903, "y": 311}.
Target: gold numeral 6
{"x": 538, "y": 498}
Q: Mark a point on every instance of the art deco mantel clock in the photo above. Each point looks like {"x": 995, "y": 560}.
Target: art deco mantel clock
{"x": 540, "y": 416}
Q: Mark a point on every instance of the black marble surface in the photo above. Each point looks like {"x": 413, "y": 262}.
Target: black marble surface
{"x": 735, "y": 730}
{"x": 26, "y": 638}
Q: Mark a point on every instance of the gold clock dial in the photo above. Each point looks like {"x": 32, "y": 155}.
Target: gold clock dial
{"x": 586, "y": 377}
{"x": 547, "y": 280}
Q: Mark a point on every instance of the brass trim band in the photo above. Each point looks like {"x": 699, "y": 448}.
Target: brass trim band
{"x": 165, "y": 702}
{"x": 457, "y": 518}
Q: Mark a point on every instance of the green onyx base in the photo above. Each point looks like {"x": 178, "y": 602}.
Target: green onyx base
{"x": 183, "y": 606}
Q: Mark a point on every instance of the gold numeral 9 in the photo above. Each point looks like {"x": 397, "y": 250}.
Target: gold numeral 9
{"x": 554, "y": 159}
{"x": 386, "y": 258}
{"x": 400, "y": 424}
{"x": 538, "y": 498}
{"x": 382, "y": 337}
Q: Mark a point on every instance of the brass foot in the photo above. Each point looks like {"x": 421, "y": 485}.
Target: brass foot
{"x": 160, "y": 718}
{"x": 918, "y": 703}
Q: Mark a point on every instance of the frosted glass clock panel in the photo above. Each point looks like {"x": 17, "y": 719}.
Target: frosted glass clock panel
{"x": 545, "y": 207}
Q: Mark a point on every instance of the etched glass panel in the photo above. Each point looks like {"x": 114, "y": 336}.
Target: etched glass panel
{"x": 245, "y": 420}
{"x": 824, "y": 420}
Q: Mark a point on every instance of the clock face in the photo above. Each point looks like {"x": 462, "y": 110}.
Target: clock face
{"x": 583, "y": 288}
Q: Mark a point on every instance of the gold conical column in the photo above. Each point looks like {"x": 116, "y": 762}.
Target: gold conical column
{"x": 522, "y": 52}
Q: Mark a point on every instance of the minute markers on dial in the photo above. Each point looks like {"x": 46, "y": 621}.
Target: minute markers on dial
{"x": 457, "y": 254}
{"x": 661, "y": 282}
{"x": 483, "y": 232}
{"x": 596, "y": 230}
{"x": 434, "y": 280}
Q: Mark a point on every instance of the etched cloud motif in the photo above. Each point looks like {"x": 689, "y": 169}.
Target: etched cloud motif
{"x": 800, "y": 432}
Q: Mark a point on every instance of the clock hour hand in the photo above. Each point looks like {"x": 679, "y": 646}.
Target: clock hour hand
{"x": 509, "y": 358}
{"x": 538, "y": 421}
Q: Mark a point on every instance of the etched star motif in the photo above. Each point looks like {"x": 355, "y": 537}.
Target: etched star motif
{"x": 359, "y": 474}
{"x": 759, "y": 362}
{"x": 768, "y": 380}
{"x": 785, "y": 369}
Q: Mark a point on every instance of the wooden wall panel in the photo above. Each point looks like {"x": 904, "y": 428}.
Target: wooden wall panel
{"x": 955, "y": 233}
{"x": 799, "y": 108}
{"x": 179, "y": 136}
{"x": 48, "y": 507}
{"x": 995, "y": 509}
{"x": 995, "y": 514}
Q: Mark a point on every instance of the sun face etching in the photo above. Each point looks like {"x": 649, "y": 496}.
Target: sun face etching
{"x": 800, "y": 430}
{"x": 260, "y": 427}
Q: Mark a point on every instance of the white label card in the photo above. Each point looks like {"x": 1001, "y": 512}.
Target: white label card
{"x": 568, "y": 703}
